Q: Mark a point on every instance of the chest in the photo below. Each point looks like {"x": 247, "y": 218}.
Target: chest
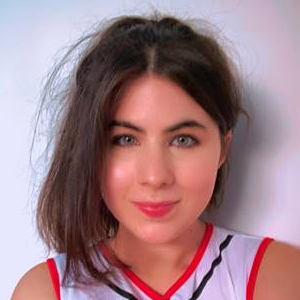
{"x": 218, "y": 287}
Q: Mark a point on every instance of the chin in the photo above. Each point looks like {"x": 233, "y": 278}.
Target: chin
{"x": 155, "y": 236}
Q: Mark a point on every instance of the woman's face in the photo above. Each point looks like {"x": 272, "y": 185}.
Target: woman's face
{"x": 163, "y": 147}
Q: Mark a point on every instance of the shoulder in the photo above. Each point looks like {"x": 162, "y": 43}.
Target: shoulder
{"x": 279, "y": 273}
{"x": 35, "y": 285}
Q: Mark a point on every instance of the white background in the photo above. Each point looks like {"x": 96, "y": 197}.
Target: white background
{"x": 263, "y": 190}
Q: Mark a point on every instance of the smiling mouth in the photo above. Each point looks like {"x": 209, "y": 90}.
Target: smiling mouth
{"x": 156, "y": 210}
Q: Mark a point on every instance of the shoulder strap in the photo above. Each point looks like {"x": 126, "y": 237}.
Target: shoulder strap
{"x": 54, "y": 276}
{"x": 255, "y": 267}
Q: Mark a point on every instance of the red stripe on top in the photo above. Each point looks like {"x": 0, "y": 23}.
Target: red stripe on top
{"x": 184, "y": 277}
{"x": 255, "y": 267}
{"x": 54, "y": 276}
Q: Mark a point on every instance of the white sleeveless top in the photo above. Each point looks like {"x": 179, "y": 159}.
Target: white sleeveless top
{"x": 225, "y": 266}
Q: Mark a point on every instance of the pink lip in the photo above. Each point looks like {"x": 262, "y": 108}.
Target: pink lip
{"x": 158, "y": 209}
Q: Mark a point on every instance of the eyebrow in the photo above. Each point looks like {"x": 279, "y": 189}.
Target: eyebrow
{"x": 177, "y": 126}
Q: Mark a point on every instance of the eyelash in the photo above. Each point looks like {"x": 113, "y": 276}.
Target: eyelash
{"x": 117, "y": 138}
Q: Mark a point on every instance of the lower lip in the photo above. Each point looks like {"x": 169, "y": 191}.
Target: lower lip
{"x": 158, "y": 211}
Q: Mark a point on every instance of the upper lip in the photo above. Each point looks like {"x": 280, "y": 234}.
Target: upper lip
{"x": 154, "y": 203}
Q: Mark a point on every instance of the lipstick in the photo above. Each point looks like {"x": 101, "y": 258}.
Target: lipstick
{"x": 156, "y": 210}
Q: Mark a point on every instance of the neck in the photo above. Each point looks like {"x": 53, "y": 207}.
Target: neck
{"x": 143, "y": 257}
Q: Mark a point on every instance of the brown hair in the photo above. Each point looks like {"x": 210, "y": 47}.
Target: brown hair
{"x": 71, "y": 215}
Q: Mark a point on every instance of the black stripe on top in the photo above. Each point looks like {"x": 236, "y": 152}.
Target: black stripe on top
{"x": 121, "y": 292}
{"x": 214, "y": 264}
{"x": 202, "y": 284}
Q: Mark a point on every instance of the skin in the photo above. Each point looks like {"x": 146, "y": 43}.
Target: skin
{"x": 155, "y": 165}
{"x": 35, "y": 284}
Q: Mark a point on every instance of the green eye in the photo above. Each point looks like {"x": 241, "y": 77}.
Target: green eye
{"x": 185, "y": 141}
{"x": 122, "y": 140}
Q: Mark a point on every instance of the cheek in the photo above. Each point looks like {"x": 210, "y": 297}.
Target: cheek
{"x": 194, "y": 174}
{"x": 200, "y": 179}
{"x": 118, "y": 178}
{"x": 198, "y": 176}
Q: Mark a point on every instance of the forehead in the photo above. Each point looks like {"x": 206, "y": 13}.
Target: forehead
{"x": 157, "y": 99}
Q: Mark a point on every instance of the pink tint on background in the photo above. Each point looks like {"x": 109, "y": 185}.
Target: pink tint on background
{"x": 276, "y": 29}
{"x": 279, "y": 45}
{"x": 268, "y": 35}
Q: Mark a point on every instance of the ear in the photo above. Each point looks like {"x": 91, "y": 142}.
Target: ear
{"x": 225, "y": 147}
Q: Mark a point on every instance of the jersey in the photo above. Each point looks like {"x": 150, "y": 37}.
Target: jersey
{"x": 225, "y": 266}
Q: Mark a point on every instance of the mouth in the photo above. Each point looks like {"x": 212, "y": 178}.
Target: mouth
{"x": 156, "y": 209}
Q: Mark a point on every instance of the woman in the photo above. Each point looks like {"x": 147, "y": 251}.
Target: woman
{"x": 140, "y": 152}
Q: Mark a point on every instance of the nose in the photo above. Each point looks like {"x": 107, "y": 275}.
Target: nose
{"x": 155, "y": 168}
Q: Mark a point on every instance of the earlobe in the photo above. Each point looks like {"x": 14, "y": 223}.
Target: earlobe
{"x": 225, "y": 147}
